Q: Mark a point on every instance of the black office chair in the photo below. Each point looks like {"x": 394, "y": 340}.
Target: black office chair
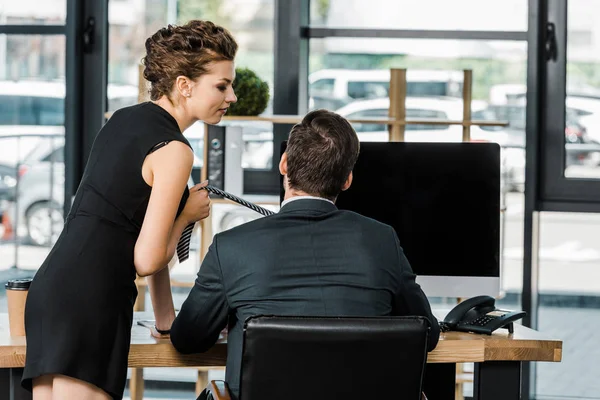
{"x": 324, "y": 358}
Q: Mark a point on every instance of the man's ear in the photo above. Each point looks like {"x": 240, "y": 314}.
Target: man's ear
{"x": 283, "y": 164}
{"x": 348, "y": 182}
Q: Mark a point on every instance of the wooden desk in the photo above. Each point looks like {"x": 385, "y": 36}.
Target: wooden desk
{"x": 497, "y": 370}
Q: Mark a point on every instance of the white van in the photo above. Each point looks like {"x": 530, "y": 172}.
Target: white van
{"x": 334, "y": 88}
{"x": 30, "y": 109}
{"x": 443, "y": 108}
{"x": 35, "y": 102}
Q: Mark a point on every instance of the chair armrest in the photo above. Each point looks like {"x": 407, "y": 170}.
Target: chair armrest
{"x": 219, "y": 390}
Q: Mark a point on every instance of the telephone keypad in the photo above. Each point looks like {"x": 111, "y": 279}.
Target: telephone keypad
{"x": 482, "y": 321}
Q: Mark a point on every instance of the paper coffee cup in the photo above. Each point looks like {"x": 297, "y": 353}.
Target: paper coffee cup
{"x": 16, "y": 295}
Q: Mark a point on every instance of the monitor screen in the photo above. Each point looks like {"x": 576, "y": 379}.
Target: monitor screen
{"x": 442, "y": 199}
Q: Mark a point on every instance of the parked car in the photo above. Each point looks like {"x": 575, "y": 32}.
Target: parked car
{"x": 8, "y": 182}
{"x": 575, "y": 131}
{"x": 416, "y": 108}
{"x": 33, "y": 108}
{"x": 582, "y": 133}
{"x": 334, "y": 88}
{"x": 17, "y": 141}
{"x": 515, "y": 114}
{"x": 579, "y": 148}
{"x": 38, "y": 207}
{"x": 588, "y": 112}
{"x": 37, "y": 102}
{"x": 513, "y": 160}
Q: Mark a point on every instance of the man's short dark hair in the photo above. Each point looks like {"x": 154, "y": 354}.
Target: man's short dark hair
{"x": 321, "y": 153}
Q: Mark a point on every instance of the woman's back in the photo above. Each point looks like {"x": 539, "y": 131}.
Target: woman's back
{"x": 80, "y": 304}
{"x": 112, "y": 186}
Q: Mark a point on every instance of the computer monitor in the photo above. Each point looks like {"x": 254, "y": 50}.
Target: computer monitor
{"x": 443, "y": 200}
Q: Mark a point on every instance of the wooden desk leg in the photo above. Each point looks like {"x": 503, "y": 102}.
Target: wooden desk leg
{"x": 16, "y": 392}
{"x": 497, "y": 380}
{"x": 439, "y": 382}
{"x": 202, "y": 381}
{"x": 136, "y": 383}
{"x": 140, "y": 302}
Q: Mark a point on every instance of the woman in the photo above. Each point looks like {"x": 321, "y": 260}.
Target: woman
{"x": 126, "y": 218}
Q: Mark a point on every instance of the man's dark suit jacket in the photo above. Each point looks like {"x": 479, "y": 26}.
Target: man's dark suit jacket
{"x": 310, "y": 259}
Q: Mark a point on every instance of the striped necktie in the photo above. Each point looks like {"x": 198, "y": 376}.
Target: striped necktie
{"x": 183, "y": 246}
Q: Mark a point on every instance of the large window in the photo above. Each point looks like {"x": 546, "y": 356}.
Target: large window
{"x": 47, "y": 12}
{"x": 345, "y": 49}
{"x": 582, "y": 117}
{"x": 250, "y": 22}
{"x": 573, "y": 102}
{"x": 568, "y": 259}
{"x": 353, "y": 46}
{"x": 569, "y": 303}
{"x": 32, "y": 118}
{"x": 131, "y": 22}
{"x": 506, "y": 15}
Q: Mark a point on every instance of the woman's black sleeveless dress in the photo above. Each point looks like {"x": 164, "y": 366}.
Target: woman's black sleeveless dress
{"x": 79, "y": 308}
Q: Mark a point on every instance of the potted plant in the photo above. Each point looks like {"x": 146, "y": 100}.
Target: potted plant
{"x": 251, "y": 91}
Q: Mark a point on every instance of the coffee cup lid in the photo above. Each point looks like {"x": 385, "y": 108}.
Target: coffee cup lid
{"x": 21, "y": 284}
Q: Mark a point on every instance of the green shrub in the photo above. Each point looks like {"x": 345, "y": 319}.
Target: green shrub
{"x": 251, "y": 91}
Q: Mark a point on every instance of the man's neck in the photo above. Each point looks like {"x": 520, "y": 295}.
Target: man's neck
{"x": 298, "y": 194}
{"x": 291, "y": 193}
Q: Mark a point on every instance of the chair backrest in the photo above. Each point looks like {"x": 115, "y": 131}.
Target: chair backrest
{"x": 324, "y": 358}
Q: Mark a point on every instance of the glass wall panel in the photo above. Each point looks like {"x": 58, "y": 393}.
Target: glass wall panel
{"x": 570, "y": 304}
{"x": 351, "y": 76}
{"x": 33, "y": 12}
{"x": 582, "y": 130}
{"x": 463, "y": 15}
{"x": 32, "y": 90}
{"x": 250, "y": 22}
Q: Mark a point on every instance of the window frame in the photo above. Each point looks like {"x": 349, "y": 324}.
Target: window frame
{"x": 557, "y": 192}
{"x": 86, "y": 87}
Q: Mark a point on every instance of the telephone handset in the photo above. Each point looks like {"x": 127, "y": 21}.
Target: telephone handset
{"x": 480, "y": 315}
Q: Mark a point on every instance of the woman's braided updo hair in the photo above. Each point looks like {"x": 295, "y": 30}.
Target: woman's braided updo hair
{"x": 184, "y": 50}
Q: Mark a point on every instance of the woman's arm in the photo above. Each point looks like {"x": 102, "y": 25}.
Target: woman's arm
{"x": 170, "y": 169}
{"x": 159, "y": 286}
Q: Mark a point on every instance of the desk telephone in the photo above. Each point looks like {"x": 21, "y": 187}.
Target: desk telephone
{"x": 480, "y": 315}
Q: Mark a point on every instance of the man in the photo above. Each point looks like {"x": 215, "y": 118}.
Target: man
{"x": 309, "y": 259}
